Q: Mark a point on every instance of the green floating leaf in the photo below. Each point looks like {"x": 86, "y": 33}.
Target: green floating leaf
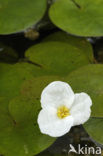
{"x": 5, "y": 120}
{"x": 76, "y": 42}
{"x": 19, "y": 132}
{"x": 24, "y": 109}
{"x": 7, "y": 54}
{"x": 12, "y": 76}
{"x": 17, "y": 15}
{"x": 57, "y": 57}
{"x": 89, "y": 79}
{"x": 94, "y": 127}
{"x": 82, "y": 18}
{"x": 33, "y": 88}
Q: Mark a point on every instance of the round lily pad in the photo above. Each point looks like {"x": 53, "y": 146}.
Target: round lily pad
{"x": 19, "y": 132}
{"x": 57, "y": 57}
{"x": 33, "y": 88}
{"x": 12, "y": 76}
{"x": 78, "y": 17}
{"x": 94, "y": 127}
{"x": 76, "y": 42}
{"x": 5, "y": 120}
{"x": 17, "y": 15}
{"x": 23, "y": 109}
{"x": 89, "y": 79}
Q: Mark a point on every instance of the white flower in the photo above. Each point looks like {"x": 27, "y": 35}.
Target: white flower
{"x": 62, "y": 109}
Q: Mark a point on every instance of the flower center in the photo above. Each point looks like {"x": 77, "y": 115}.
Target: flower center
{"x": 63, "y": 112}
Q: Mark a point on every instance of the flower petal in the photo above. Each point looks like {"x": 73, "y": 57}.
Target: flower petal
{"x": 56, "y": 94}
{"x": 51, "y": 125}
{"x": 80, "y": 109}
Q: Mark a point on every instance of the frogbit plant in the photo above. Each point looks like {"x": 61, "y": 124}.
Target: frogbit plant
{"x": 62, "y": 109}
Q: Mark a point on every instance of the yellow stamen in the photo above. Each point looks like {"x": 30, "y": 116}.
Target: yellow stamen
{"x": 63, "y": 112}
